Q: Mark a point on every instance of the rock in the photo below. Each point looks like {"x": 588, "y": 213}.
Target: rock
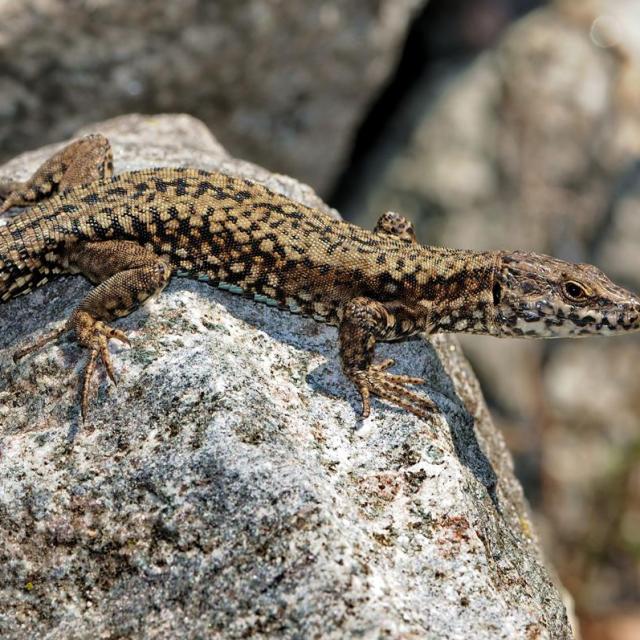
{"x": 284, "y": 83}
{"x": 227, "y": 487}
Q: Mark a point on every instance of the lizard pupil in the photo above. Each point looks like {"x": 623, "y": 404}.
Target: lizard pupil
{"x": 574, "y": 290}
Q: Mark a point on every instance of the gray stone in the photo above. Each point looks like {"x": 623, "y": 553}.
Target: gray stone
{"x": 227, "y": 488}
{"x": 284, "y": 83}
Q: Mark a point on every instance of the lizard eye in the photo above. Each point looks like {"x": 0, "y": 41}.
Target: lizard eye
{"x": 574, "y": 291}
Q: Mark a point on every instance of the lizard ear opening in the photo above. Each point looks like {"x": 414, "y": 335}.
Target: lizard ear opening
{"x": 497, "y": 293}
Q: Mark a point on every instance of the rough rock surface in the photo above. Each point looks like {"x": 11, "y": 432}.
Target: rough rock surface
{"x": 284, "y": 83}
{"x": 226, "y": 487}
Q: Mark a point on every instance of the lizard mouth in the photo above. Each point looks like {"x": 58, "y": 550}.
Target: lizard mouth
{"x": 546, "y": 320}
{"x": 629, "y": 320}
{"x": 588, "y": 322}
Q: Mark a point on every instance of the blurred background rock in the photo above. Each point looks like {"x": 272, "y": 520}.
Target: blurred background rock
{"x": 492, "y": 123}
{"x": 283, "y": 83}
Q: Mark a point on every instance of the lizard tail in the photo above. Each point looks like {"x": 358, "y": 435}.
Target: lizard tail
{"x": 7, "y": 271}
{"x": 16, "y": 277}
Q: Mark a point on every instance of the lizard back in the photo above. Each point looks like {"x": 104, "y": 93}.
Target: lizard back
{"x": 236, "y": 234}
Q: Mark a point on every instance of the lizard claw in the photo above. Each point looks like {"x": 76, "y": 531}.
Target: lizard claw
{"x": 391, "y": 387}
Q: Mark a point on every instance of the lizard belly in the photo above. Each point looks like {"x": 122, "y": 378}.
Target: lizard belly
{"x": 267, "y": 291}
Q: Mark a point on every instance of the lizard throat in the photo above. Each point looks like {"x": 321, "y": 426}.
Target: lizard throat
{"x": 564, "y": 321}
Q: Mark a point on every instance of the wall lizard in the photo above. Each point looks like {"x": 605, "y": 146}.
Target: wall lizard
{"x": 130, "y": 233}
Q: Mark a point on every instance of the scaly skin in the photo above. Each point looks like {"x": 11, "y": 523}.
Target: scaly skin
{"x": 130, "y": 233}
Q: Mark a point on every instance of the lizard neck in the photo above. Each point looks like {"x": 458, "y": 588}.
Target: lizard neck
{"x": 458, "y": 295}
{"x": 433, "y": 289}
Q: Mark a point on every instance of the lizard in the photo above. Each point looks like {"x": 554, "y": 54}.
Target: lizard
{"x": 130, "y": 233}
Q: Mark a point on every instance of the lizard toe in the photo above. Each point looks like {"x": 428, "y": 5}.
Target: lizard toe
{"x": 109, "y": 333}
{"x": 99, "y": 350}
{"x": 391, "y": 388}
{"x": 39, "y": 343}
{"x": 89, "y": 369}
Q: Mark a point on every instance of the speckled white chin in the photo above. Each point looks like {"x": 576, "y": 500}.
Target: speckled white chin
{"x": 565, "y": 328}
{"x": 539, "y": 329}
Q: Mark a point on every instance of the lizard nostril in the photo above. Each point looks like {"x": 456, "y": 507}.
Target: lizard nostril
{"x": 629, "y": 319}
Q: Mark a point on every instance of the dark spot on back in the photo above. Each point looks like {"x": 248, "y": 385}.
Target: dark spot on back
{"x": 497, "y": 293}
{"x": 161, "y": 185}
{"x": 117, "y": 191}
{"x": 203, "y": 187}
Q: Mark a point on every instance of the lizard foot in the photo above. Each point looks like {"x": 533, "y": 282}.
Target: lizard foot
{"x": 95, "y": 335}
{"x": 390, "y": 387}
{"x": 92, "y": 334}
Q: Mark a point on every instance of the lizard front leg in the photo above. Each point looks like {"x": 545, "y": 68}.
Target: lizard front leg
{"x": 128, "y": 274}
{"x": 80, "y": 162}
{"x": 364, "y": 322}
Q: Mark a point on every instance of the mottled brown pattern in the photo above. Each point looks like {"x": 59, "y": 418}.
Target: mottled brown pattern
{"x": 130, "y": 233}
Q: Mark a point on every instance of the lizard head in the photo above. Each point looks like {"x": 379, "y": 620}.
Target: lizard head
{"x": 541, "y": 297}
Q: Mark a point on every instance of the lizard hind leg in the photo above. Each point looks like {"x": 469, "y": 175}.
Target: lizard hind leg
{"x": 128, "y": 275}
{"x": 364, "y": 321}
{"x": 80, "y": 162}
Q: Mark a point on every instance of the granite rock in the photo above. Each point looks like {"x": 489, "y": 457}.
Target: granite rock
{"x": 227, "y": 488}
